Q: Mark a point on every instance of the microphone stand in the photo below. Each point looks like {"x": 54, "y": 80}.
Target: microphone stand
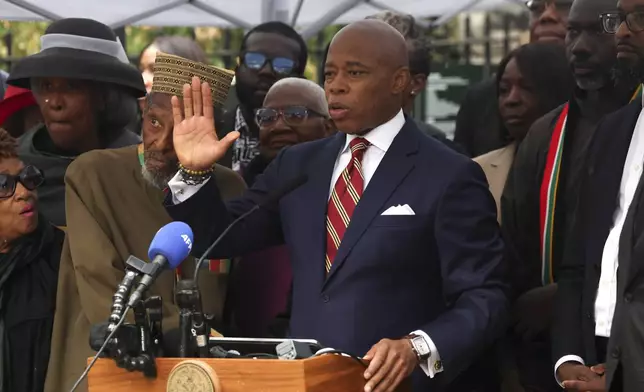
{"x": 154, "y": 306}
{"x": 184, "y": 298}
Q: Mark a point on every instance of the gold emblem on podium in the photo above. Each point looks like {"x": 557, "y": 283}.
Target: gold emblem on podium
{"x": 193, "y": 376}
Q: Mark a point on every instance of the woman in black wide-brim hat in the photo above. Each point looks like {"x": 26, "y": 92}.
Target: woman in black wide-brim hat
{"x": 87, "y": 92}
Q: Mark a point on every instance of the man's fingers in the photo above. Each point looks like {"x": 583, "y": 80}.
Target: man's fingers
{"x": 229, "y": 139}
{"x": 575, "y": 384}
{"x": 187, "y": 101}
{"x": 390, "y": 372}
{"x": 599, "y": 369}
{"x": 208, "y": 111}
{"x": 197, "y": 104}
{"x": 376, "y": 381}
{"x": 176, "y": 110}
{"x": 378, "y": 360}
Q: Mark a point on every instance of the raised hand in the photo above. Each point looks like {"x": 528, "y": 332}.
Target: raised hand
{"x": 195, "y": 138}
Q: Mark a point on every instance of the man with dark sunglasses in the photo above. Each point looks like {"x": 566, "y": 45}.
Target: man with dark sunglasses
{"x": 478, "y": 129}
{"x": 599, "y": 297}
{"x": 269, "y": 52}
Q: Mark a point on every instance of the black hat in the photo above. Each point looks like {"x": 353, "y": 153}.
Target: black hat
{"x": 76, "y": 48}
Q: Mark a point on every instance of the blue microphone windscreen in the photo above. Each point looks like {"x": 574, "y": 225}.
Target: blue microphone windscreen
{"x": 174, "y": 241}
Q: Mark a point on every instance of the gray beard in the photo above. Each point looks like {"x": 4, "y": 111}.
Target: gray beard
{"x": 157, "y": 180}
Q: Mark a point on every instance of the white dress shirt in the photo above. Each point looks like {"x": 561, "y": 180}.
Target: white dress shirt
{"x": 606, "y": 298}
{"x": 380, "y": 139}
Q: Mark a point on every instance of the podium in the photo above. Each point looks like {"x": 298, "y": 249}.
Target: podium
{"x": 325, "y": 373}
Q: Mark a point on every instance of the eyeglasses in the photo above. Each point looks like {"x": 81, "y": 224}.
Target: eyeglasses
{"x": 537, "y": 7}
{"x": 612, "y": 20}
{"x": 292, "y": 115}
{"x": 257, "y": 61}
{"x": 30, "y": 177}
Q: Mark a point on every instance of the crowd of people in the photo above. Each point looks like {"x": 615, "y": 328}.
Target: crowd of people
{"x": 503, "y": 260}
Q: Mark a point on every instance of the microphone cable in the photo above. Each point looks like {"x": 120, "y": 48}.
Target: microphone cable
{"x": 100, "y": 351}
{"x": 212, "y": 246}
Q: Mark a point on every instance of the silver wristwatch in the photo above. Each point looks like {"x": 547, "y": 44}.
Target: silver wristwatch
{"x": 420, "y": 347}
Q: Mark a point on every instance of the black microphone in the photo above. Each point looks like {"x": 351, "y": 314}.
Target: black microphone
{"x": 272, "y": 197}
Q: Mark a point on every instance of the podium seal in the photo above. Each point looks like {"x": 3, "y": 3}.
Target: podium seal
{"x": 193, "y": 376}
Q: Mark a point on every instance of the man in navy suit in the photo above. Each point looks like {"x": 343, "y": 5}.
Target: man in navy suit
{"x": 394, "y": 242}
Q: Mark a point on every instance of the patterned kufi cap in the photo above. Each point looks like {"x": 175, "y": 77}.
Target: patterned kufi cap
{"x": 172, "y": 72}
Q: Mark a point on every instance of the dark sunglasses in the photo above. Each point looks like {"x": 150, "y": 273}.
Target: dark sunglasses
{"x": 537, "y": 7}
{"x": 612, "y": 20}
{"x": 30, "y": 177}
{"x": 292, "y": 115}
{"x": 257, "y": 61}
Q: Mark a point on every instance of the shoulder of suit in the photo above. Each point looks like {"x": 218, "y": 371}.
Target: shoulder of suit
{"x": 625, "y": 113}
{"x": 492, "y": 155}
{"x": 98, "y": 162}
{"x": 229, "y": 180}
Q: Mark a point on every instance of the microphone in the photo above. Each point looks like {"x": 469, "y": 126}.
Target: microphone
{"x": 170, "y": 246}
{"x": 272, "y": 197}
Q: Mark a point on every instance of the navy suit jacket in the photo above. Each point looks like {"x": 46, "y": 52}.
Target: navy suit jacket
{"x": 439, "y": 270}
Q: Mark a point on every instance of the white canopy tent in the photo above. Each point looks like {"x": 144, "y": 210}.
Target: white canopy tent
{"x": 310, "y": 15}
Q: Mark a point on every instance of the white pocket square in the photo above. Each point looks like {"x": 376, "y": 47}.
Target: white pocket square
{"x": 399, "y": 210}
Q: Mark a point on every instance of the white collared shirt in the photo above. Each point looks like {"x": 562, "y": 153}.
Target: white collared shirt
{"x": 606, "y": 298}
{"x": 380, "y": 139}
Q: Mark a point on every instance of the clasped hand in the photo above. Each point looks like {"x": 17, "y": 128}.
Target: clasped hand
{"x": 577, "y": 377}
{"x": 195, "y": 139}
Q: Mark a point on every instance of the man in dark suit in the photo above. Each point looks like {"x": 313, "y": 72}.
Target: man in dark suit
{"x": 599, "y": 306}
{"x": 408, "y": 270}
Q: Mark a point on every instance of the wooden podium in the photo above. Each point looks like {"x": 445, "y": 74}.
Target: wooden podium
{"x": 326, "y": 373}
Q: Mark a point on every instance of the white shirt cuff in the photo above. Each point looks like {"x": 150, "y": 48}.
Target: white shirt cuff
{"x": 433, "y": 364}
{"x": 564, "y": 359}
{"x": 180, "y": 190}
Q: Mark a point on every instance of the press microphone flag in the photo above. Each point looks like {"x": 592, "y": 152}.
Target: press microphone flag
{"x": 170, "y": 246}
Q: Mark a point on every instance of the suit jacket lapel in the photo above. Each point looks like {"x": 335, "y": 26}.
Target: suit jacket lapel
{"x": 393, "y": 168}
{"x": 320, "y": 174}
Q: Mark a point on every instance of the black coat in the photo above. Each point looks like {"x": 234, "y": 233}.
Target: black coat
{"x": 574, "y": 325}
{"x": 28, "y": 307}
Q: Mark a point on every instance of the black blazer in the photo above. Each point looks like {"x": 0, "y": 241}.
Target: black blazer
{"x": 574, "y": 325}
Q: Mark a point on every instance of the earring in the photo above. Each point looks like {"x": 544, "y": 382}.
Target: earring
{"x": 46, "y": 100}
{"x": 413, "y": 93}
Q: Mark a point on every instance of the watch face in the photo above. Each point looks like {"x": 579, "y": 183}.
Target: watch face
{"x": 421, "y": 346}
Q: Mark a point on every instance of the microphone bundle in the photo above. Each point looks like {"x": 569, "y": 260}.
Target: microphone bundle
{"x": 135, "y": 347}
{"x": 170, "y": 246}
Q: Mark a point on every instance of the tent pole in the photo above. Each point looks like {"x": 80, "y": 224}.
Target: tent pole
{"x": 296, "y": 14}
{"x": 35, "y": 9}
{"x": 221, "y": 14}
{"x": 275, "y": 10}
{"x": 329, "y": 17}
{"x": 146, "y": 14}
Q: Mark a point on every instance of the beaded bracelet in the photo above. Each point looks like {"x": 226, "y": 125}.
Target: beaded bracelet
{"x": 195, "y": 177}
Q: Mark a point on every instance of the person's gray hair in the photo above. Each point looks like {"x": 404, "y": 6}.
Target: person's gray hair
{"x": 318, "y": 96}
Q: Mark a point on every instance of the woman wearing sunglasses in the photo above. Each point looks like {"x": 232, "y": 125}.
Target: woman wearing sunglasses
{"x": 29, "y": 256}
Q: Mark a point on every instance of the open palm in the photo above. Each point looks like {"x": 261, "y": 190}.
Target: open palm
{"x": 195, "y": 138}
